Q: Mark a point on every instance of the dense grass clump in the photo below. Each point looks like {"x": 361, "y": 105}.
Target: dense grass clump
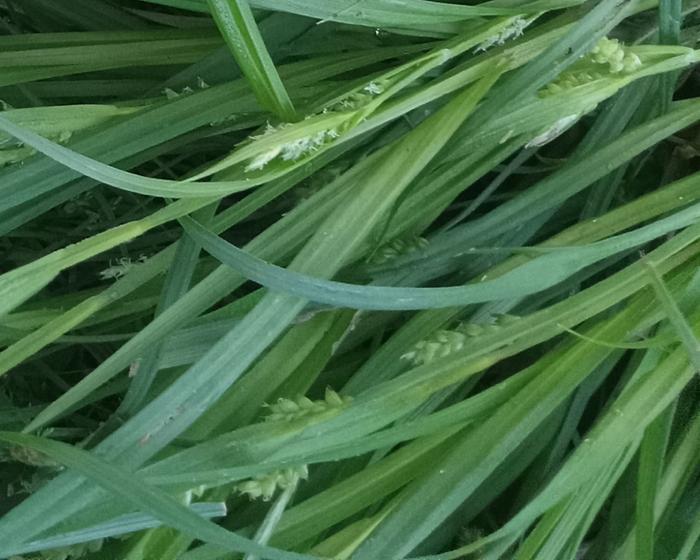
{"x": 363, "y": 280}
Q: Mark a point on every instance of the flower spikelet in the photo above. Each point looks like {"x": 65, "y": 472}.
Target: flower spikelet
{"x": 301, "y": 406}
{"x": 448, "y": 341}
{"x": 512, "y": 31}
{"x": 264, "y": 486}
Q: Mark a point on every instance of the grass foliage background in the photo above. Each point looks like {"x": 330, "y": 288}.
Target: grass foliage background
{"x": 346, "y": 279}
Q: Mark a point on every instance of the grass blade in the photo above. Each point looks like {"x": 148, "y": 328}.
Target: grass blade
{"x": 237, "y": 24}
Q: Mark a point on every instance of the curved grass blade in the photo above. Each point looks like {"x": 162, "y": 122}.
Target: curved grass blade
{"x": 125, "y": 141}
{"x": 123, "y": 179}
{"x": 536, "y": 275}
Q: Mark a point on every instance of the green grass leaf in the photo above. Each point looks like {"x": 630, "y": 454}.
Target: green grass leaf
{"x": 237, "y": 25}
